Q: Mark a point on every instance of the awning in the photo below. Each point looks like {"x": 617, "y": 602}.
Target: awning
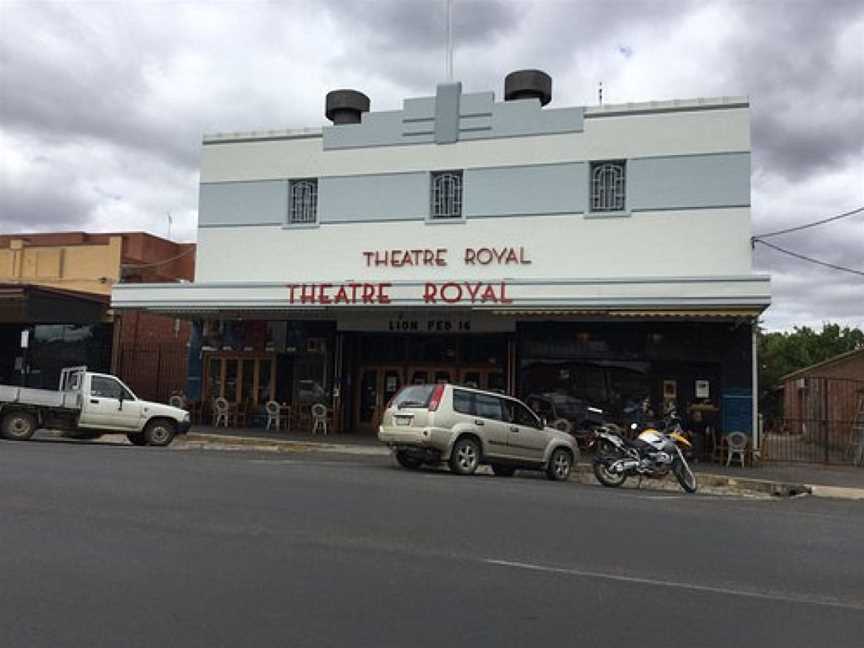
{"x": 634, "y": 297}
{"x": 32, "y": 304}
{"x": 676, "y": 314}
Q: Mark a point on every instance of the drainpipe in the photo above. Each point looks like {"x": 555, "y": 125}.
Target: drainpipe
{"x": 755, "y": 369}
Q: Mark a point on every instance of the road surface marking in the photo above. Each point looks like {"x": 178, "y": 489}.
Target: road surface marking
{"x": 787, "y": 598}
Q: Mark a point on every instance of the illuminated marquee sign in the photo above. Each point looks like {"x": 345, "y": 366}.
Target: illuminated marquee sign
{"x": 446, "y": 292}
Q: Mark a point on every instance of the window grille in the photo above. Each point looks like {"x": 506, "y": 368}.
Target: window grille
{"x": 607, "y": 186}
{"x": 303, "y": 202}
{"x": 447, "y": 194}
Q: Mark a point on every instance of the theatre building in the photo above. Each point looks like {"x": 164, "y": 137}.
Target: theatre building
{"x": 557, "y": 253}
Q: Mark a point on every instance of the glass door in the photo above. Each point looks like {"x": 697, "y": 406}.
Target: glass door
{"x": 376, "y": 386}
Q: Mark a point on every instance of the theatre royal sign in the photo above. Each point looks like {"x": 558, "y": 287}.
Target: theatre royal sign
{"x": 432, "y": 292}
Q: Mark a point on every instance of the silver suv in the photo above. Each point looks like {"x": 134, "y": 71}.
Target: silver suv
{"x": 431, "y": 424}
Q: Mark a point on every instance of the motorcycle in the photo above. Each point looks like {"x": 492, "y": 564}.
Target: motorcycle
{"x": 653, "y": 454}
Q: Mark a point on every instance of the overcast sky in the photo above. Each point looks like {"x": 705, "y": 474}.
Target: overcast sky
{"x": 102, "y": 105}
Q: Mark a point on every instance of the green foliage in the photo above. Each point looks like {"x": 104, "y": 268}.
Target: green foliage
{"x": 785, "y": 352}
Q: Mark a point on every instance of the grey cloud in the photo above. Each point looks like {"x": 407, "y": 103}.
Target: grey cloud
{"x": 82, "y": 83}
{"x": 808, "y": 98}
{"x": 104, "y": 77}
{"x": 50, "y": 203}
{"x": 400, "y": 25}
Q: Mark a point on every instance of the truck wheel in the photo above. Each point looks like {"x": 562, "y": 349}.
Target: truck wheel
{"x": 18, "y": 426}
{"x": 160, "y": 432}
{"x": 136, "y": 438}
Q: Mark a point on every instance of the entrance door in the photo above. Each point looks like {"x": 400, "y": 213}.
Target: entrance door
{"x": 377, "y": 385}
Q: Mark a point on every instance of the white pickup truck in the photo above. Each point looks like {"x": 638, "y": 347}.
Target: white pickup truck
{"x": 88, "y": 405}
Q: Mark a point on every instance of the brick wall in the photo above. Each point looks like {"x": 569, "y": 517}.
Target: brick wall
{"x": 150, "y": 353}
{"x": 831, "y": 391}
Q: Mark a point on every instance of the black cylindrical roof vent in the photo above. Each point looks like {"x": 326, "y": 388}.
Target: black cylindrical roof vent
{"x": 345, "y": 106}
{"x": 528, "y": 84}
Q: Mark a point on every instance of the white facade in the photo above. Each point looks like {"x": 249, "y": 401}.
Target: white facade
{"x": 562, "y": 283}
{"x": 682, "y": 241}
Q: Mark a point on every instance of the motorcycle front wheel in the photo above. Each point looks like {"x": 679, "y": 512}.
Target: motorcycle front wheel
{"x": 684, "y": 476}
{"x": 607, "y": 477}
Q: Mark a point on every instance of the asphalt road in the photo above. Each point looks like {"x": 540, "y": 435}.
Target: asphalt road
{"x": 106, "y": 545}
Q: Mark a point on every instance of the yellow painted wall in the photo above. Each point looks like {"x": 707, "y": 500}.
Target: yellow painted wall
{"x": 86, "y": 268}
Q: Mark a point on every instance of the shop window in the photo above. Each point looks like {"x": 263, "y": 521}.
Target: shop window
{"x": 446, "y": 195}
{"x": 240, "y": 378}
{"x": 303, "y": 202}
{"x": 608, "y": 186}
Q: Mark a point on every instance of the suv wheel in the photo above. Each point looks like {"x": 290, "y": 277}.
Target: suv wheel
{"x": 502, "y": 470}
{"x": 407, "y": 461}
{"x": 560, "y": 465}
{"x": 465, "y": 456}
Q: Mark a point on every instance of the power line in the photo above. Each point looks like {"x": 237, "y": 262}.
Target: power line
{"x": 806, "y": 258}
{"x": 813, "y": 224}
{"x": 138, "y": 266}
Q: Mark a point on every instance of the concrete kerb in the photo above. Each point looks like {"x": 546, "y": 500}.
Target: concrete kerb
{"x": 708, "y": 484}
{"x": 196, "y": 440}
{"x": 582, "y": 473}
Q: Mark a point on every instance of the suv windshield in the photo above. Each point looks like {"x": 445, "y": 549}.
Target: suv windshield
{"x": 413, "y": 396}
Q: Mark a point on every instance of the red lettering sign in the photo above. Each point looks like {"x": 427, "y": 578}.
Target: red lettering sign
{"x": 472, "y": 292}
{"x": 397, "y": 258}
{"x": 352, "y": 293}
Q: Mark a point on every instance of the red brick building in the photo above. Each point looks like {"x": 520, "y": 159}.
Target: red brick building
{"x": 56, "y": 286}
{"x": 828, "y": 389}
{"x": 823, "y": 413}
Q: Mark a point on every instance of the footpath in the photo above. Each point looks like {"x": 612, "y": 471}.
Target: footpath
{"x": 765, "y": 480}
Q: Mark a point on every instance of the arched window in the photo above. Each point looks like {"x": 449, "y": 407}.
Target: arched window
{"x": 303, "y": 201}
{"x": 446, "y": 194}
{"x": 607, "y": 186}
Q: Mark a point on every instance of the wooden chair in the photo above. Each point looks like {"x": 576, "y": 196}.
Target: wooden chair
{"x": 302, "y": 416}
{"x": 240, "y": 413}
{"x": 718, "y": 445}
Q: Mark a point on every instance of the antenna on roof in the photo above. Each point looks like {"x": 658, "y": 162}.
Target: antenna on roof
{"x": 600, "y": 93}
{"x": 450, "y": 40}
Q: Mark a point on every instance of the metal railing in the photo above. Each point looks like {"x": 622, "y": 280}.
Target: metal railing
{"x": 823, "y": 422}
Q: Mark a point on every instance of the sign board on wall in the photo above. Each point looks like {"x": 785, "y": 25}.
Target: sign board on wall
{"x": 703, "y": 389}
{"x": 424, "y": 323}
